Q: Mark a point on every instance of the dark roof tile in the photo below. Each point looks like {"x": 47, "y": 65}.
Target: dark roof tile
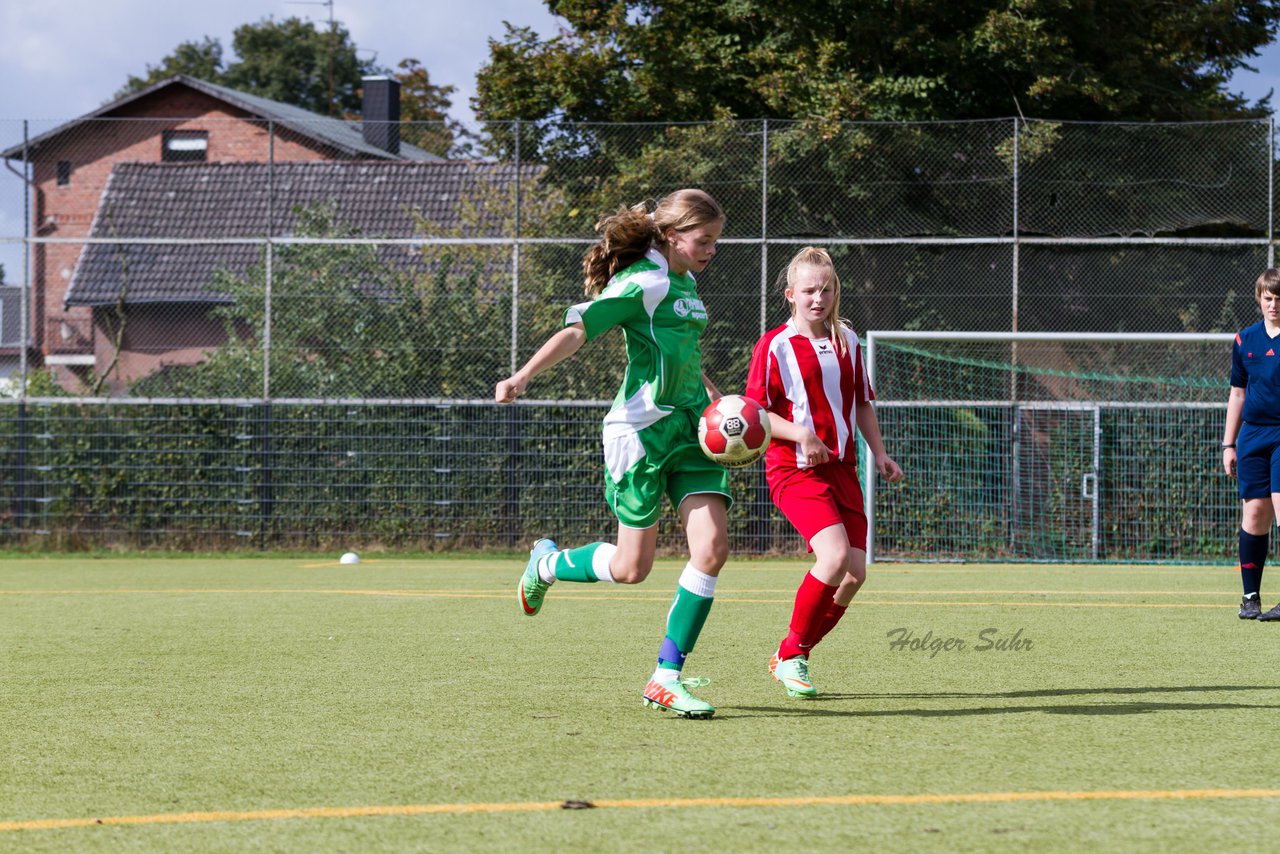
{"x": 252, "y": 200}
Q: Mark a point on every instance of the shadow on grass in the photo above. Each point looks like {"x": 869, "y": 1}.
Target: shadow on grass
{"x": 820, "y": 706}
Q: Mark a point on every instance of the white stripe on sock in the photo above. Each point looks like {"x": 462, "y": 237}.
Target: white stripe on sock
{"x": 698, "y": 582}
{"x": 601, "y": 559}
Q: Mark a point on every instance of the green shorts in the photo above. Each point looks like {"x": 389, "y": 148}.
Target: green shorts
{"x": 671, "y": 462}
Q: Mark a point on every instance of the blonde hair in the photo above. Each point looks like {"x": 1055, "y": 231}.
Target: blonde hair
{"x": 1269, "y": 281}
{"x": 812, "y": 256}
{"x": 627, "y": 233}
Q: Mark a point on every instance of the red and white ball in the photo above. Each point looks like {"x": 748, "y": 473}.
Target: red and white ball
{"x": 734, "y": 430}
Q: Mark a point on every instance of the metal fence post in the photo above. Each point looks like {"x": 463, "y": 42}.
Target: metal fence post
{"x": 764, "y": 225}
{"x": 270, "y": 257}
{"x": 24, "y": 329}
{"x": 514, "y": 420}
{"x": 760, "y": 504}
{"x": 511, "y": 498}
{"x": 1015, "y": 504}
{"x": 1271, "y": 191}
{"x": 265, "y": 503}
{"x": 24, "y": 298}
{"x": 1016, "y": 241}
{"x": 22, "y": 464}
{"x": 264, "y": 421}
{"x": 515, "y": 260}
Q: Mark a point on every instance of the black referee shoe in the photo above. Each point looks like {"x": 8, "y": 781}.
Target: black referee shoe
{"x": 1270, "y": 616}
{"x": 1251, "y": 609}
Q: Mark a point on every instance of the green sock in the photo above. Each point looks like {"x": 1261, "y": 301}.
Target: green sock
{"x": 579, "y": 564}
{"x": 684, "y": 623}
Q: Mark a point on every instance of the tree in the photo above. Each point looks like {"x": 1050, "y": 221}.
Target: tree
{"x": 294, "y": 62}
{"x": 424, "y": 107}
{"x": 870, "y": 135}
{"x": 202, "y": 60}
{"x": 836, "y": 60}
{"x": 289, "y": 61}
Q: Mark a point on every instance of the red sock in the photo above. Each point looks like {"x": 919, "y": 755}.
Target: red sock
{"x": 813, "y": 600}
{"x": 829, "y": 620}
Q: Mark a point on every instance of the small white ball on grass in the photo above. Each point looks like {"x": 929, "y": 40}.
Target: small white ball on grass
{"x": 349, "y": 557}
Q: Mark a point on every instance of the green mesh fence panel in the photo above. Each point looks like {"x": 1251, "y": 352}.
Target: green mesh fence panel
{"x": 444, "y": 476}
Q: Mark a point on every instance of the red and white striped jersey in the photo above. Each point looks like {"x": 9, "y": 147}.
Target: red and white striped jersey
{"x": 804, "y": 380}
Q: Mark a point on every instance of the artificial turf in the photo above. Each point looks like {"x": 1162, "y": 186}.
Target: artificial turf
{"x": 293, "y": 704}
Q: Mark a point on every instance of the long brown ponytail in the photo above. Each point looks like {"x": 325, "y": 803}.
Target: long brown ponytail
{"x": 627, "y": 234}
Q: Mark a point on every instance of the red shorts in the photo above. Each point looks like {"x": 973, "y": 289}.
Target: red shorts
{"x": 817, "y": 498}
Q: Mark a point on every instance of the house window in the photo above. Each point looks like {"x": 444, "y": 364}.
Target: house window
{"x": 64, "y": 173}
{"x": 185, "y": 146}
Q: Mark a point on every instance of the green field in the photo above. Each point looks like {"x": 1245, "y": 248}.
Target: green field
{"x": 198, "y": 704}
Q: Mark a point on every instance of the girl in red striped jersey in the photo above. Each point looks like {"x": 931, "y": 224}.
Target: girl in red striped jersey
{"x": 809, "y": 374}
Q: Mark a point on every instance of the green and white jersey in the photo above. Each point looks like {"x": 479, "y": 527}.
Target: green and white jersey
{"x": 661, "y": 318}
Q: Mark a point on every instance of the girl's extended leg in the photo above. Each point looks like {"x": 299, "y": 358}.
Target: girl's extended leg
{"x": 629, "y": 562}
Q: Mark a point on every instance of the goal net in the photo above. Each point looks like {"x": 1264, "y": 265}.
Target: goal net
{"x": 1052, "y": 447}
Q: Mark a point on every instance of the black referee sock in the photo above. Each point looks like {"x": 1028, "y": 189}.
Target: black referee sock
{"x": 1253, "y": 556}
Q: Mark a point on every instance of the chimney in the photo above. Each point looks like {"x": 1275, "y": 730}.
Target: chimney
{"x": 381, "y": 113}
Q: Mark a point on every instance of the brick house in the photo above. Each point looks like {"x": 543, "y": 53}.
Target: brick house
{"x": 181, "y": 123}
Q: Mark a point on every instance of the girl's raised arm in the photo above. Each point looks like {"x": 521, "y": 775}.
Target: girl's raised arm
{"x": 559, "y": 347}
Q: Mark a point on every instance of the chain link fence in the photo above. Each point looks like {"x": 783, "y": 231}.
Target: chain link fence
{"x": 287, "y": 333}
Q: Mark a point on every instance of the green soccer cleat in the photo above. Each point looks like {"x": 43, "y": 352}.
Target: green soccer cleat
{"x": 675, "y": 697}
{"x": 793, "y": 673}
{"x": 531, "y": 589}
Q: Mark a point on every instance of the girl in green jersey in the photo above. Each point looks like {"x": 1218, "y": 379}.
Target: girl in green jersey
{"x": 639, "y": 277}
